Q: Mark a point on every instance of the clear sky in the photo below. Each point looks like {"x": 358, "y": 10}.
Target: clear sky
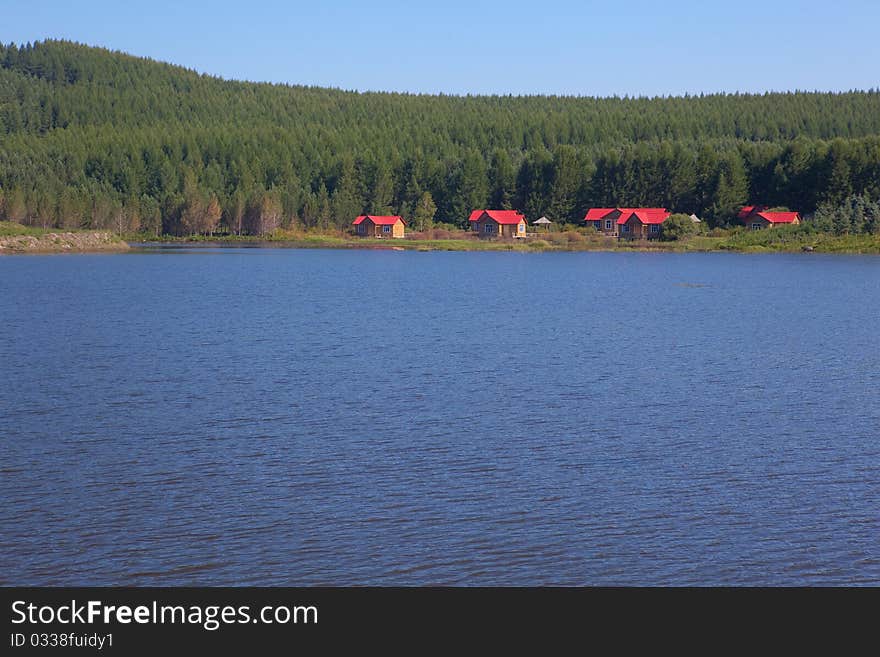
{"x": 635, "y": 47}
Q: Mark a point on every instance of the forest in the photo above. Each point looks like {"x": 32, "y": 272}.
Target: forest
{"x": 91, "y": 138}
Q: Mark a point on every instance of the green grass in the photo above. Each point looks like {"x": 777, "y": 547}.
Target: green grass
{"x": 782, "y": 239}
{"x": 795, "y": 238}
{"x": 322, "y": 240}
{"x": 11, "y": 229}
{"x": 702, "y": 243}
{"x": 851, "y": 244}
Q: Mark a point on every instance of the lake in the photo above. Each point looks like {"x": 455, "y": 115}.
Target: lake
{"x": 232, "y": 416}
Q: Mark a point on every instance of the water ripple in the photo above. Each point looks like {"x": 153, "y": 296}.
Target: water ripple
{"x": 281, "y": 417}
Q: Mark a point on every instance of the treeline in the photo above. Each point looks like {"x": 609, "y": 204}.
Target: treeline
{"x": 92, "y": 138}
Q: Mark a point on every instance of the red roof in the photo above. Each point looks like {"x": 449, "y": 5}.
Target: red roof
{"x": 595, "y": 214}
{"x": 500, "y": 216}
{"x": 379, "y": 221}
{"x": 645, "y": 215}
{"x": 780, "y": 217}
{"x": 749, "y": 210}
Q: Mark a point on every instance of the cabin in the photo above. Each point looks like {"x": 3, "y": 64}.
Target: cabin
{"x": 498, "y": 223}
{"x": 749, "y": 211}
{"x": 642, "y": 223}
{"x": 762, "y": 220}
{"x": 604, "y": 220}
{"x": 368, "y": 225}
{"x": 611, "y": 221}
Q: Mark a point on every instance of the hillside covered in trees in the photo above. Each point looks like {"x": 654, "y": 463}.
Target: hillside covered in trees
{"x": 99, "y": 139}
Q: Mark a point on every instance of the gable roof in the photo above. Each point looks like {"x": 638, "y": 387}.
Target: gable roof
{"x": 499, "y": 216}
{"x": 749, "y": 210}
{"x": 645, "y": 215}
{"x": 595, "y": 214}
{"x": 389, "y": 220}
{"x": 780, "y": 217}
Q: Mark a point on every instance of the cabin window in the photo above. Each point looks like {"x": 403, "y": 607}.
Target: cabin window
{"x": 521, "y": 228}
{"x": 487, "y": 228}
{"x": 361, "y": 229}
{"x": 624, "y": 228}
{"x": 756, "y": 226}
{"x": 386, "y": 229}
{"x": 655, "y": 228}
{"x": 607, "y": 224}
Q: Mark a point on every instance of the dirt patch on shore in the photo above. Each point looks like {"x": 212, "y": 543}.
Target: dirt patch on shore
{"x": 62, "y": 243}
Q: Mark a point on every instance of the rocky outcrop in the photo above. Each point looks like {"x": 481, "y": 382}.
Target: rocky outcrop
{"x": 62, "y": 243}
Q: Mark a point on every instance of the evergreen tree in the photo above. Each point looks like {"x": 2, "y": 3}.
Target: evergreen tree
{"x": 839, "y": 186}
{"x": 325, "y": 212}
{"x": 423, "y": 215}
{"x": 70, "y": 210}
{"x": 87, "y": 134}
{"x": 469, "y": 187}
{"x": 533, "y": 182}
{"x": 411, "y": 196}
{"x": 564, "y": 185}
{"x": 731, "y": 191}
{"x": 383, "y": 193}
{"x": 346, "y": 203}
{"x": 502, "y": 181}
{"x": 151, "y": 216}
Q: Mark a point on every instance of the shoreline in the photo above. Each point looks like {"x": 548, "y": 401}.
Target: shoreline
{"x": 63, "y": 242}
{"x": 25, "y": 240}
{"x": 704, "y": 245}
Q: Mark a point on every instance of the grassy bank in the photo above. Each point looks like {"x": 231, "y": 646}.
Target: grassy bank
{"x": 15, "y": 238}
{"x": 432, "y": 240}
{"x": 10, "y": 229}
{"x": 798, "y": 238}
{"x": 786, "y": 239}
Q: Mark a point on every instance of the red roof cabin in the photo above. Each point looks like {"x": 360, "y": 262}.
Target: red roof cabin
{"x": 632, "y": 223}
{"x": 603, "y": 220}
{"x": 750, "y": 210}
{"x": 641, "y": 223}
{"x": 368, "y": 225}
{"x": 762, "y": 220}
{"x": 498, "y": 223}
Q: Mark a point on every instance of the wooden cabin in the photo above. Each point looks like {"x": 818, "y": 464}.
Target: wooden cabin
{"x": 762, "y": 220}
{"x": 749, "y": 211}
{"x": 604, "y": 220}
{"x": 368, "y": 225}
{"x": 498, "y": 223}
{"x": 610, "y": 221}
{"x": 641, "y": 223}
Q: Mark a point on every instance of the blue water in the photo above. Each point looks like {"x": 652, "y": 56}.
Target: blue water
{"x": 287, "y": 417}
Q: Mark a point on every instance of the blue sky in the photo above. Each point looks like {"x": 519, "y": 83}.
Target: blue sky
{"x": 619, "y": 47}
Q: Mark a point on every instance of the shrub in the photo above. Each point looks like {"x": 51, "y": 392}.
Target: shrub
{"x": 677, "y": 227}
